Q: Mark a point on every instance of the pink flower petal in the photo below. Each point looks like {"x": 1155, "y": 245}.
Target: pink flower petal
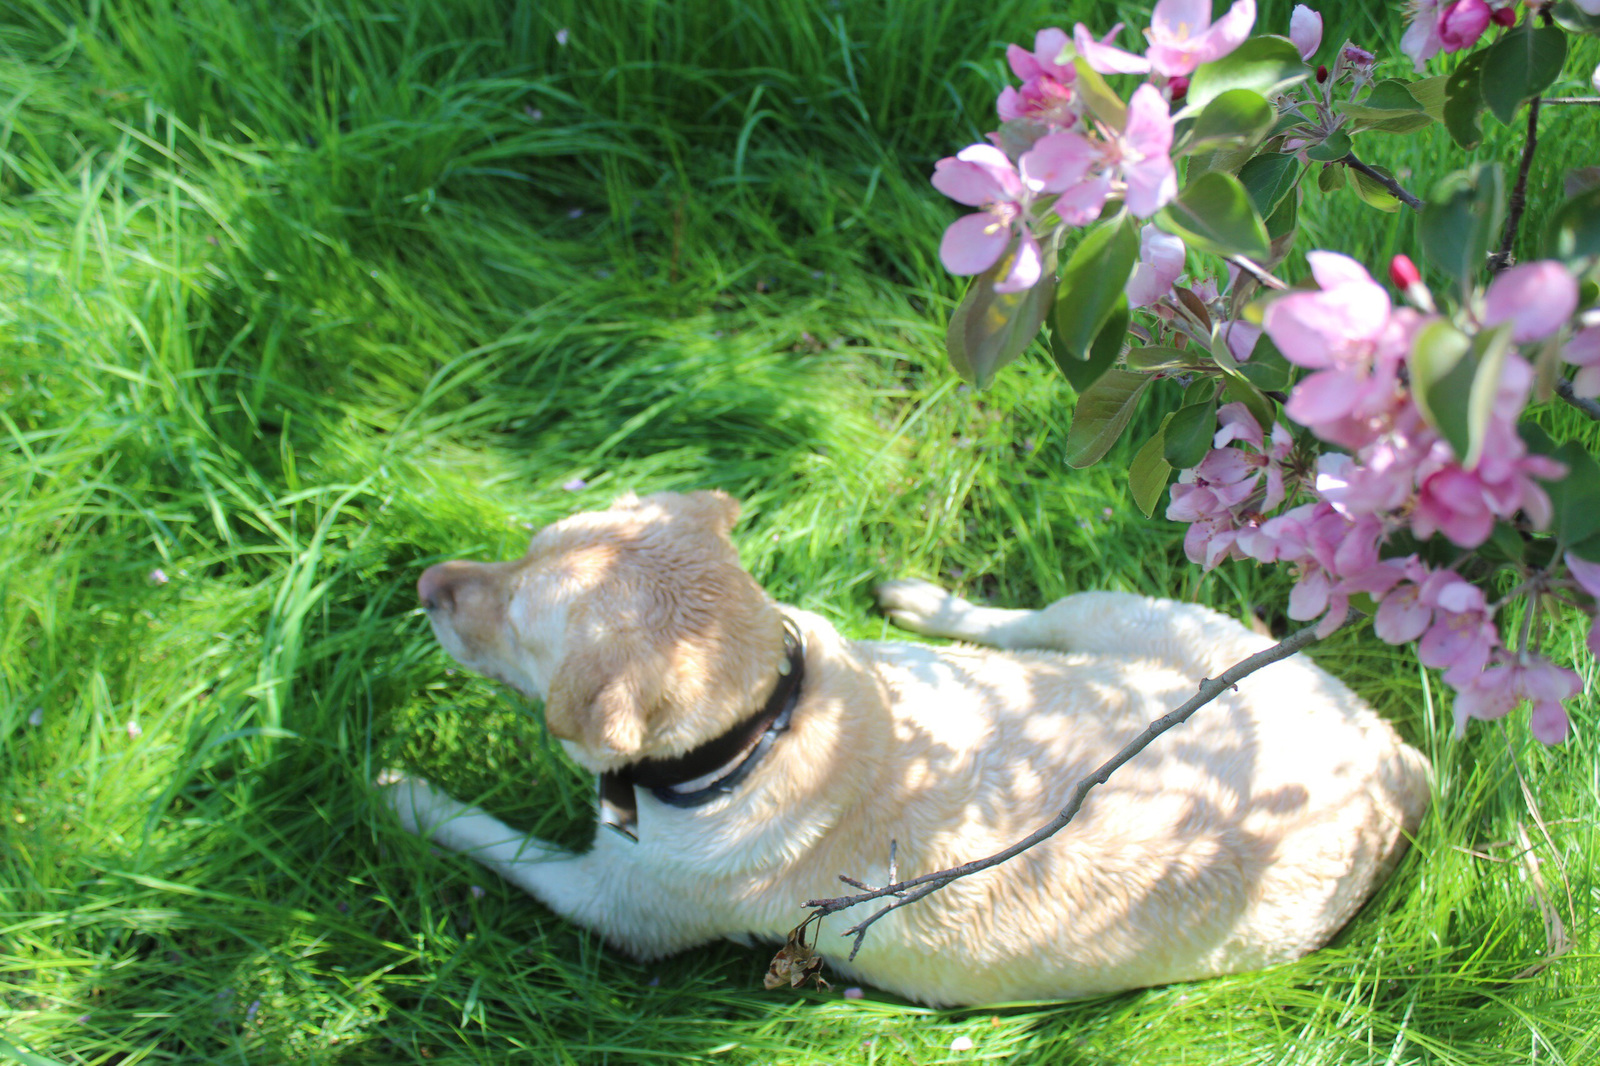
{"x": 1103, "y": 58}
{"x": 973, "y": 244}
{"x": 1026, "y": 266}
{"x": 1057, "y": 162}
{"x": 1305, "y": 30}
{"x": 1536, "y": 298}
{"x": 1082, "y": 204}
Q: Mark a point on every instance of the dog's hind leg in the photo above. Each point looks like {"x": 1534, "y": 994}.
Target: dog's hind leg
{"x": 1194, "y": 639}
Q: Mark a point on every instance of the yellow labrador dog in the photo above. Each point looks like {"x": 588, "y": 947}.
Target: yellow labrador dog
{"x": 748, "y": 755}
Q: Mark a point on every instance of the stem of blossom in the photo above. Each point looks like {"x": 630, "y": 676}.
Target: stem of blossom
{"x": 1383, "y": 179}
{"x": 1588, "y": 407}
{"x": 1572, "y": 99}
{"x": 927, "y": 884}
{"x": 1257, "y": 271}
{"x": 1519, "y": 192}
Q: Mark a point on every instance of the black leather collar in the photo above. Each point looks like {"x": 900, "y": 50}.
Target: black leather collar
{"x": 619, "y": 807}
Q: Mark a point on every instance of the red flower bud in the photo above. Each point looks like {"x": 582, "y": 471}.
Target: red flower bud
{"x": 1179, "y": 87}
{"x": 1322, "y": 73}
{"x": 1503, "y": 16}
{"x": 1403, "y": 272}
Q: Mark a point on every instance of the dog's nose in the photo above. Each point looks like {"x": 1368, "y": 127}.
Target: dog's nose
{"x": 436, "y": 587}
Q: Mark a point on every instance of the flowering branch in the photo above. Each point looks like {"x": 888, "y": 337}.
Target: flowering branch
{"x": 1383, "y": 179}
{"x": 915, "y": 888}
{"x": 1519, "y": 193}
{"x": 1587, "y": 406}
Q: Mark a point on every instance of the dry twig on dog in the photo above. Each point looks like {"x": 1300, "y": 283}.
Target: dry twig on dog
{"x": 915, "y": 888}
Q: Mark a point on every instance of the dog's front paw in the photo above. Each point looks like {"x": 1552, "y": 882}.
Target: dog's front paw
{"x": 412, "y": 799}
{"x": 922, "y": 606}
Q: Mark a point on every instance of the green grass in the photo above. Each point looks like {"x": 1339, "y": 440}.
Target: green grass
{"x": 298, "y": 297}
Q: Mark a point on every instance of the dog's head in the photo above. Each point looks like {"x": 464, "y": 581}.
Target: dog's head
{"x": 636, "y": 625}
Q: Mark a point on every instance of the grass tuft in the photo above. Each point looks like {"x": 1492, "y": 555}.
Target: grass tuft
{"x": 298, "y": 297}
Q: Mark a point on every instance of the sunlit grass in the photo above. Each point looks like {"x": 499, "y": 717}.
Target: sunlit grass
{"x": 296, "y": 298}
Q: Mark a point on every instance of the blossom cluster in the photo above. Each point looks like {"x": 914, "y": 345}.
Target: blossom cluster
{"x": 1397, "y": 473}
{"x": 1053, "y": 164}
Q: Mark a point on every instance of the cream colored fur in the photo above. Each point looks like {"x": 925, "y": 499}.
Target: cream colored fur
{"x": 1245, "y": 838}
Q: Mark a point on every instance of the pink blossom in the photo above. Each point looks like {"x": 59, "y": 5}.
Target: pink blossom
{"x": 1161, "y": 257}
{"x": 1181, "y": 35}
{"x": 1240, "y": 337}
{"x": 1587, "y": 575}
{"x": 1140, "y": 154}
{"x": 1461, "y": 635}
{"x": 1046, "y": 94}
{"x": 1105, "y": 58}
{"x": 1495, "y": 692}
{"x": 1421, "y": 40}
{"x": 1347, "y": 332}
{"x": 1583, "y": 352}
{"x": 1305, "y": 30}
{"x": 1461, "y": 24}
{"x": 1402, "y": 616}
{"x": 1536, "y": 298}
{"x": 1463, "y": 504}
{"x": 1224, "y": 496}
{"x": 1081, "y": 204}
{"x": 1049, "y": 46}
{"x": 981, "y": 176}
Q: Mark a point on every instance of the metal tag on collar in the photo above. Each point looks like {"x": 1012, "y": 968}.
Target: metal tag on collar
{"x": 619, "y": 807}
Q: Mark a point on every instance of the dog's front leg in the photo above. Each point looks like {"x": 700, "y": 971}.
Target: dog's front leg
{"x": 599, "y": 889}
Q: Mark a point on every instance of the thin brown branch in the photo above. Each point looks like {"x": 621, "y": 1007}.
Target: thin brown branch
{"x": 1383, "y": 179}
{"x": 1257, "y": 271}
{"x": 1519, "y": 192}
{"x": 1588, "y": 407}
{"x": 915, "y": 888}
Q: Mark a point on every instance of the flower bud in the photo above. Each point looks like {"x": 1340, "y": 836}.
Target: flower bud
{"x": 1403, "y": 272}
{"x": 1179, "y": 87}
{"x": 1504, "y": 16}
{"x": 1405, "y": 276}
{"x": 1322, "y": 73}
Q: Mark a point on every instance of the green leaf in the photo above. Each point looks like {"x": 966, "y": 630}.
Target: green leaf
{"x": 1332, "y": 178}
{"x": 1189, "y": 433}
{"x": 1101, "y": 414}
{"x": 1441, "y": 380}
{"x": 1429, "y": 93}
{"x": 1454, "y": 380}
{"x": 1571, "y": 17}
{"x": 1267, "y": 178}
{"x": 1267, "y": 65}
{"x": 1154, "y": 357}
{"x": 1391, "y": 107}
{"x": 988, "y": 329}
{"x": 1214, "y": 214}
{"x": 1373, "y": 192}
{"x": 1148, "y": 473}
{"x": 1574, "y": 230}
{"x": 1091, "y": 284}
{"x": 1335, "y": 146}
{"x": 1081, "y": 373}
{"x": 1101, "y": 100}
{"x": 1521, "y": 64}
{"x": 1575, "y": 501}
{"x": 1238, "y": 116}
{"x": 1267, "y": 369}
{"x": 1461, "y": 220}
{"x": 1281, "y": 223}
{"x": 1463, "y": 101}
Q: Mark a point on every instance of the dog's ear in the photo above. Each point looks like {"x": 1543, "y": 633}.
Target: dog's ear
{"x": 604, "y": 692}
{"x": 720, "y": 509}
